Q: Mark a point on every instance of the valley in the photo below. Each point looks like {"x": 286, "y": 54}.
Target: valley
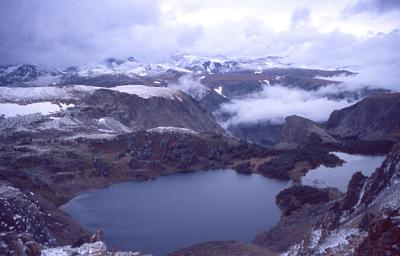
{"x": 69, "y": 137}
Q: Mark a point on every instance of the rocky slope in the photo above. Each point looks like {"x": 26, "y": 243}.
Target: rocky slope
{"x": 271, "y": 134}
{"x": 29, "y": 222}
{"x": 357, "y": 121}
{"x": 262, "y": 133}
{"x": 366, "y": 217}
{"x": 114, "y": 110}
{"x": 298, "y": 131}
{"x": 301, "y": 207}
{"x": 369, "y": 126}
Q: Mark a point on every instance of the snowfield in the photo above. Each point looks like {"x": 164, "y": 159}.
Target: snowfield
{"x": 219, "y": 91}
{"x": 35, "y": 94}
{"x": 147, "y": 91}
{"x": 169, "y": 129}
{"x": 15, "y": 94}
{"x": 44, "y": 108}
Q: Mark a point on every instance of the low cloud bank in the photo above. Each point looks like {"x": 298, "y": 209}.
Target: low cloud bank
{"x": 375, "y": 77}
{"x": 190, "y": 85}
{"x": 274, "y": 103}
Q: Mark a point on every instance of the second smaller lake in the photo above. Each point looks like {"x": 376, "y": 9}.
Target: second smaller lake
{"x": 340, "y": 176}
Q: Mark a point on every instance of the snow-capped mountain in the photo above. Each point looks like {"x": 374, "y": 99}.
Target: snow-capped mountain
{"x": 130, "y": 70}
{"x": 25, "y": 74}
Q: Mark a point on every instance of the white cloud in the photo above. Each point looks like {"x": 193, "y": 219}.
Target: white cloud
{"x": 190, "y": 85}
{"x": 274, "y": 103}
{"x": 312, "y": 32}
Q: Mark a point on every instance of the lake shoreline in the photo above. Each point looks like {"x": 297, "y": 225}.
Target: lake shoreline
{"x": 277, "y": 223}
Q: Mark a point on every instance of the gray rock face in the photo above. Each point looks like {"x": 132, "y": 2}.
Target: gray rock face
{"x": 19, "y": 74}
{"x": 20, "y": 213}
{"x": 374, "y": 118}
{"x": 364, "y": 220}
{"x": 293, "y": 198}
{"x": 135, "y": 112}
{"x": 26, "y": 219}
{"x": 265, "y": 134}
{"x": 88, "y": 249}
{"x": 299, "y": 131}
{"x": 22, "y": 244}
{"x": 106, "y": 111}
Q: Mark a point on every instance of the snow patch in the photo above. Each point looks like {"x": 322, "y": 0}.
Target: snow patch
{"x": 88, "y": 249}
{"x": 65, "y": 106}
{"x": 146, "y": 91}
{"x": 111, "y": 125}
{"x": 219, "y": 90}
{"x": 33, "y": 93}
{"x": 293, "y": 250}
{"x": 315, "y": 237}
{"x": 171, "y": 129}
{"x": 12, "y": 109}
{"x": 337, "y": 239}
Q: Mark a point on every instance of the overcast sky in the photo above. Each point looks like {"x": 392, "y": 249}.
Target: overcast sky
{"x": 340, "y": 33}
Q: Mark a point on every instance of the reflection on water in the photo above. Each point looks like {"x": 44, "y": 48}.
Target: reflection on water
{"x": 340, "y": 176}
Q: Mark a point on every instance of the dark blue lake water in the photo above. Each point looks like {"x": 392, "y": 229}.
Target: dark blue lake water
{"x": 171, "y": 212}
{"x": 340, "y": 176}
{"x": 176, "y": 211}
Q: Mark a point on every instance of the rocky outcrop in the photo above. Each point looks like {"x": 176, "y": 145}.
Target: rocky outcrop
{"x": 290, "y": 164}
{"x": 302, "y": 207}
{"x": 98, "y": 248}
{"x": 24, "y": 244}
{"x": 383, "y": 236}
{"x": 369, "y": 126}
{"x": 211, "y": 101}
{"x": 375, "y": 118}
{"x": 28, "y": 223}
{"x": 364, "y": 219}
{"x": 20, "y": 213}
{"x": 262, "y": 133}
{"x": 298, "y": 131}
{"x": 295, "y": 197}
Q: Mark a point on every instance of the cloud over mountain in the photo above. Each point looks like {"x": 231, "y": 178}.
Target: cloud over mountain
{"x": 312, "y": 33}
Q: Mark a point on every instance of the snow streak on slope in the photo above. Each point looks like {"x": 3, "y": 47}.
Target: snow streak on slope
{"x": 146, "y": 91}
